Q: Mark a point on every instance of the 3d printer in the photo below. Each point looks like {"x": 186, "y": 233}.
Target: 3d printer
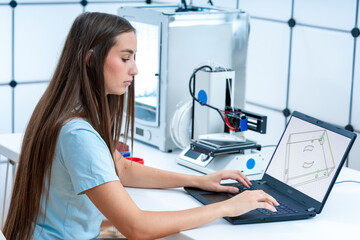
{"x": 217, "y": 130}
{"x": 171, "y": 41}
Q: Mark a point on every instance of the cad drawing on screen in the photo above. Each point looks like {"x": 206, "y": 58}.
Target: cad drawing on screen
{"x": 308, "y": 158}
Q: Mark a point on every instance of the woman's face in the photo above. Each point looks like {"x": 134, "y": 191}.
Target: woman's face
{"x": 119, "y": 66}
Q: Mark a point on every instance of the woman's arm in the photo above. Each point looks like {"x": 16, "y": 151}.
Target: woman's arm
{"x": 114, "y": 202}
{"x": 133, "y": 174}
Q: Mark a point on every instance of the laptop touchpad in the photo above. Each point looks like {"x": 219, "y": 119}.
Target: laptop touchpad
{"x": 216, "y": 197}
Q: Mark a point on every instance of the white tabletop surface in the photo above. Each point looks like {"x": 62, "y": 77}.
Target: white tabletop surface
{"x": 338, "y": 220}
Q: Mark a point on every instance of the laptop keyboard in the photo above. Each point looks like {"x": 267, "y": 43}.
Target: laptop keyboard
{"x": 241, "y": 187}
{"x": 281, "y": 209}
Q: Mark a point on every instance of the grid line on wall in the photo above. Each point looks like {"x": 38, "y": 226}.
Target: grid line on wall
{"x": 291, "y": 24}
{"x": 352, "y": 82}
{"x": 323, "y": 28}
{"x": 83, "y": 2}
{"x": 12, "y": 44}
{"x": 353, "y": 65}
{"x": 32, "y": 82}
{"x": 13, "y": 4}
{"x": 288, "y": 76}
{"x": 356, "y": 13}
{"x": 264, "y": 106}
{"x": 123, "y": 1}
{"x": 48, "y": 3}
{"x": 268, "y": 19}
{"x": 12, "y": 110}
{"x": 12, "y": 69}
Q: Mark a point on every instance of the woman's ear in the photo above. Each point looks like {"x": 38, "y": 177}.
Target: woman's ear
{"x": 87, "y": 58}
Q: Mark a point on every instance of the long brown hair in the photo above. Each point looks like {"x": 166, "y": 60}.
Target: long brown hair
{"x": 77, "y": 89}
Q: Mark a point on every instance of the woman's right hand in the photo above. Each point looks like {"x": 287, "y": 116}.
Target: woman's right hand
{"x": 249, "y": 200}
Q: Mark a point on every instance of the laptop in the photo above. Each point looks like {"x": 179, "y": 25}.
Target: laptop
{"x": 300, "y": 175}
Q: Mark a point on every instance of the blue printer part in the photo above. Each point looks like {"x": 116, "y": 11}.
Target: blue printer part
{"x": 202, "y": 96}
{"x": 125, "y": 154}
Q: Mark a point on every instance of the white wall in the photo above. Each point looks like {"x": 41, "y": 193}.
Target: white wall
{"x": 310, "y": 67}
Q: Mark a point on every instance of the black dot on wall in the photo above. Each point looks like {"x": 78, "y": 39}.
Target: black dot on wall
{"x": 286, "y": 112}
{"x": 292, "y": 22}
{"x": 13, "y": 83}
{"x": 84, "y": 3}
{"x": 13, "y": 4}
{"x": 355, "y": 32}
{"x": 349, "y": 127}
{"x": 148, "y": 1}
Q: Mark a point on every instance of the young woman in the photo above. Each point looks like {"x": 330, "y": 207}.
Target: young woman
{"x": 70, "y": 173}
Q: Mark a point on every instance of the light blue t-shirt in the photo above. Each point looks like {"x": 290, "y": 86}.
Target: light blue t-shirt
{"x": 82, "y": 161}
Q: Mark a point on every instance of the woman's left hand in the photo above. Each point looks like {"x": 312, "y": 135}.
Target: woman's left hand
{"x": 212, "y": 182}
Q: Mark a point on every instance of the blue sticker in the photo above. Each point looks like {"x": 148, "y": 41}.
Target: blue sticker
{"x": 250, "y": 164}
{"x": 202, "y": 96}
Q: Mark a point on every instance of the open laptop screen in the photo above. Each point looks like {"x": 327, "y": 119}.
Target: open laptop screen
{"x": 307, "y": 157}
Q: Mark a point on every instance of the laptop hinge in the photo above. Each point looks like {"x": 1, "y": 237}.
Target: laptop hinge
{"x": 311, "y": 209}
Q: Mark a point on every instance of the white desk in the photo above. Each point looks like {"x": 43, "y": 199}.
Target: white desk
{"x": 339, "y": 219}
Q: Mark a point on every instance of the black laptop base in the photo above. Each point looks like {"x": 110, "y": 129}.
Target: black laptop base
{"x": 293, "y": 210}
